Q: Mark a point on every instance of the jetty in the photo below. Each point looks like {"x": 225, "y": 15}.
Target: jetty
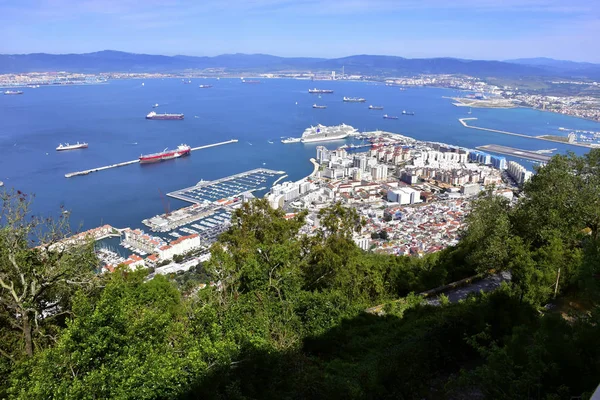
{"x": 123, "y": 164}
{"x": 547, "y": 139}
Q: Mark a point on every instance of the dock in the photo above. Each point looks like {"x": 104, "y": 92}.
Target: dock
{"x": 123, "y": 164}
{"x": 464, "y": 123}
{"x": 511, "y": 151}
{"x": 206, "y": 192}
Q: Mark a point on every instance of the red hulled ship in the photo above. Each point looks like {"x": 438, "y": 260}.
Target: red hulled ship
{"x": 182, "y": 150}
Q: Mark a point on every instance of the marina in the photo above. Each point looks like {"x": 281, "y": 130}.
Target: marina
{"x": 123, "y": 164}
{"x": 206, "y": 192}
{"x": 511, "y": 151}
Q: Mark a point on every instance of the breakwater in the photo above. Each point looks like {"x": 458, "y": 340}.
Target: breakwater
{"x": 123, "y": 164}
{"x": 464, "y": 123}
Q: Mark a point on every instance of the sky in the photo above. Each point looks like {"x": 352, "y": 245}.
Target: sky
{"x": 475, "y": 29}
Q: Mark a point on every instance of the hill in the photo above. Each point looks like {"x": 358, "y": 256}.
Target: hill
{"x": 116, "y": 61}
{"x": 561, "y": 67}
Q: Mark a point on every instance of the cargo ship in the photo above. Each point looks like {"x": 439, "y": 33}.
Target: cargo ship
{"x": 407, "y": 112}
{"x": 205, "y": 86}
{"x": 153, "y": 115}
{"x": 354, "y": 100}
{"x": 385, "y": 116}
{"x": 9, "y": 92}
{"x": 67, "y": 146}
{"x": 166, "y": 154}
{"x": 375, "y": 107}
{"x": 320, "y": 91}
{"x": 317, "y": 106}
{"x": 250, "y": 81}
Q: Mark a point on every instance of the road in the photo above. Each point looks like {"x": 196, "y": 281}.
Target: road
{"x": 486, "y": 285}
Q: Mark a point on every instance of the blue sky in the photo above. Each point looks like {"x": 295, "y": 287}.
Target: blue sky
{"x": 478, "y": 29}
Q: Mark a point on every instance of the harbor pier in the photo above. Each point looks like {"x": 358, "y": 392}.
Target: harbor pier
{"x": 123, "y": 164}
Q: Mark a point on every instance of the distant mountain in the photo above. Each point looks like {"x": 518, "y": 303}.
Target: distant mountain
{"x": 562, "y": 67}
{"x": 117, "y": 61}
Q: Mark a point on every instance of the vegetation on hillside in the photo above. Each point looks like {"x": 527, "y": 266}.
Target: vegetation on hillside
{"x": 287, "y": 317}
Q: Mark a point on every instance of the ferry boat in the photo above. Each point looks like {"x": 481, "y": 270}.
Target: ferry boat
{"x": 320, "y": 91}
{"x": 375, "y": 107}
{"x": 317, "y": 106}
{"x": 385, "y": 116}
{"x": 182, "y": 150}
{"x": 321, "y": 133}
{"x": 354, "y": 99}
{"x": 12, "y": 92}
{"x": 205, "y": 86}
{"x": 153, "y": 115}
{"x": 291, "y": 140}
{"x": 404, "y": 112}
{"x": 67, "y": 146}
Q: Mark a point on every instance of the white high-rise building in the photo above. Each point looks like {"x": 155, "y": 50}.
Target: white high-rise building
{"x": 323, "y": 155}
{"x": 518, "y": 172}
{"x": 379, "y": 172}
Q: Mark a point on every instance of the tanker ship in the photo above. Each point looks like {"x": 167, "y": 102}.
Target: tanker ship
{"x": 354, "y": 100}
{"x": 320, "y": 91}
{"x": 154, "y": 115}
{"x": 182, "y": 150}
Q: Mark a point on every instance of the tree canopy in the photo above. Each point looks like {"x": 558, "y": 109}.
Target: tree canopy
{"x": 284, "y": 315}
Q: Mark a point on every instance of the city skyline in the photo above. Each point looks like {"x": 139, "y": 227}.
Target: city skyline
{"x": 490, "y": 29}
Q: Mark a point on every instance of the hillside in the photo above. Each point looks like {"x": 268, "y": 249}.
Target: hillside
{"x": 116, "y": 61}
{"x": 285, "y": 317}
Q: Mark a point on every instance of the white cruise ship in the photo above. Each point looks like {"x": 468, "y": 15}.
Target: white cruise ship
{"x": 321, "y": 133}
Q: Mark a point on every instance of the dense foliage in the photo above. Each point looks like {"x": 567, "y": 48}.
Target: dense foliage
{"x": 285, "y": 318}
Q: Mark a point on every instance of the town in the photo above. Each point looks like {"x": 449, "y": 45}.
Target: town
{"x": 413, "y": 197}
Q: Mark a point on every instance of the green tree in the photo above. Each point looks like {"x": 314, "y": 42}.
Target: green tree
{"x": 488, "y": 229}
{"x": 37, "y": 282}
{"x": 135, "y": 341}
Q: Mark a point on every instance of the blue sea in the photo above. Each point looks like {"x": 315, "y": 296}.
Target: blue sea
{"x": 110, "y": 117}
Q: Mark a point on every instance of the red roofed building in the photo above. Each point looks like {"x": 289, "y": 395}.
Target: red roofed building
{"x": 179, "y": 246}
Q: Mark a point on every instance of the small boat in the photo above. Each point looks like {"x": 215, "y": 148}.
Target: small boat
{"x": 155, "y": 105}
{"x": 291, "y": 140}
{"x": 319, "y": 107}
{"x": 270, "y": 141}
{"x": 385, "y": 116}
